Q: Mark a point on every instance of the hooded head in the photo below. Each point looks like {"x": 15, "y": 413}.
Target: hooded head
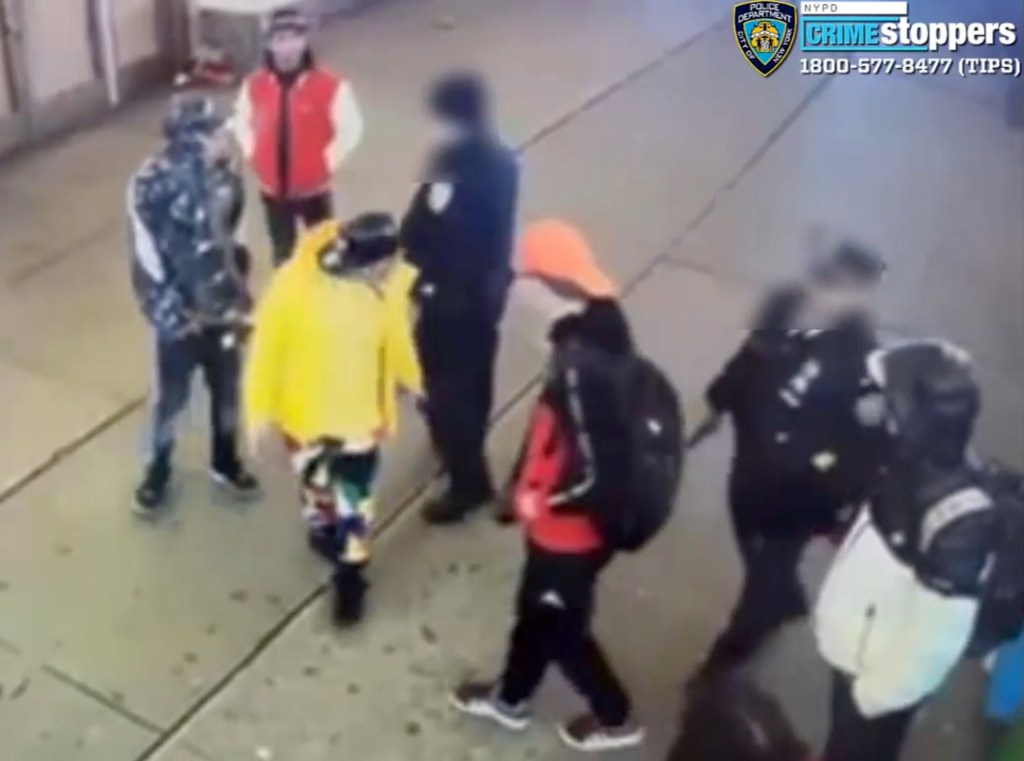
{"x": 193, "y": 125}
{"x": 461, "y": 103}
{"x": 365, "y": 248}
{"x": 932, "y": 400}
{"x": 288, "y": 40}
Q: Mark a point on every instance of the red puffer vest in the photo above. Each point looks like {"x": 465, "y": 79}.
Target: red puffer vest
{"x": 292, "y": 127}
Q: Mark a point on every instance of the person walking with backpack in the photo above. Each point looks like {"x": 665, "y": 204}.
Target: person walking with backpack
{"x": 332, "y": 348}
{"x": 295, "y": 122}
{"x": 807, "y": 439}
{"x": 575, "y": 478}
{"x": 930, "y": 572}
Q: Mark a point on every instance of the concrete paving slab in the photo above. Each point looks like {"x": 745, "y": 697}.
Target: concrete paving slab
{"x": 93, "y": 336}
{"x": 42, "y": 718}
{"x": 70, "y": 196}
{"x": 650, "y": 159}
{"x": 47, "y": 415}
{"x": 916, "y": 139}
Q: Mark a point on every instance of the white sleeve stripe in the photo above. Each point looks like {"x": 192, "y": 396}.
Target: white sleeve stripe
{"x": 241, "y": 122}
{"x": 348, "y": 122}
{"x": 143, "y": 244}
{"x": 582, "y": 439}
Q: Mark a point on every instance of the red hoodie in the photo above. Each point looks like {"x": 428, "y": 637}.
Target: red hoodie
{"x": 555, "y": 528}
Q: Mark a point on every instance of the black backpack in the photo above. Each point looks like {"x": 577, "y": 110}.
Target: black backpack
{"x": 1001, "y": 613}
{"x": 647, "y": 408}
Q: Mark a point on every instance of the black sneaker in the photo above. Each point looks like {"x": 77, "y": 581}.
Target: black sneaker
{"x": 448, "y": 510}
{"x": 588, "y": 735}
{"x": 481, "y": 699}
{"x": 237, "y": 481}
{"x": 152, "y": 493}
{"x": 349, "y": 595}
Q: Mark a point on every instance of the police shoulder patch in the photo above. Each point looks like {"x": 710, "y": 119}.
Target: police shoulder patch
{"x": 765, "y": 33}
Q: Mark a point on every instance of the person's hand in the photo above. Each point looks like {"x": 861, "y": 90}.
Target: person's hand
{"x": 528, "y": 506}
{"x": 263, "y": 437}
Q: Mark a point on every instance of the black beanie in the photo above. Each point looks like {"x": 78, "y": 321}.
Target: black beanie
{"x": 287, "y": 20}
{"x": 461, "y": 98}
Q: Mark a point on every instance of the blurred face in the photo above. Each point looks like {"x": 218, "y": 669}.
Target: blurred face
{"x": 445, "y": 131}
{"x": 832, "y": 301}
{"x": 287, "y": 49}
{"x": 216, "y": 147}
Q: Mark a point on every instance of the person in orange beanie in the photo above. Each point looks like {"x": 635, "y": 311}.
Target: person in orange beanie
{"x": 571, "y": 463}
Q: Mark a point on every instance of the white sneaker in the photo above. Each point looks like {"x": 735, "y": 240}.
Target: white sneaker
{"x": 588, "y": 735}
{"x": 480, "y": 699}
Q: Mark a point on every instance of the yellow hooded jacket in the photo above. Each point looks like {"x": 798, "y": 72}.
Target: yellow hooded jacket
{"x": 328, "y": 354}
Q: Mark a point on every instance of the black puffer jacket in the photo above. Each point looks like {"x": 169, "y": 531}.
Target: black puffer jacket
{"x": 583, "y": 395}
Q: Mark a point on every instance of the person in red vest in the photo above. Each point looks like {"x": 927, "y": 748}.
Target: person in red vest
{"x": 295, "y": 122}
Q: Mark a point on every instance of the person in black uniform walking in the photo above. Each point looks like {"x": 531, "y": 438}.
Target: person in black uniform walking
{"x": 808, "y": 436}
{"x": 459, "y": 232}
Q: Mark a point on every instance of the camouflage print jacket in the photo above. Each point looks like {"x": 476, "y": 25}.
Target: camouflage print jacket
{"x": 185, "y": 268}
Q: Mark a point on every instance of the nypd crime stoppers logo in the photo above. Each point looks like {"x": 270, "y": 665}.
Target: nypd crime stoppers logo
{"x": 764, "y": 32}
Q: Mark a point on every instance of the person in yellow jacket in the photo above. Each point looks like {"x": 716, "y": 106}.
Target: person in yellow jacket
{"x": 331, "y": 350}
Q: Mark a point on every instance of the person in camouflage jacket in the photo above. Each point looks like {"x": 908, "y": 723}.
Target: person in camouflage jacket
{"x": 189, "y": 277}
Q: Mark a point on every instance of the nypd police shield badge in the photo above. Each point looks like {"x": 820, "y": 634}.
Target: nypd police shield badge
{"x": 764, "y": 32}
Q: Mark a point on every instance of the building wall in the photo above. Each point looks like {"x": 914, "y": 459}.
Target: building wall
{"x": 136, "y": 25}
{"x": 63, "y": 60}
{"x": 57, "y": 46}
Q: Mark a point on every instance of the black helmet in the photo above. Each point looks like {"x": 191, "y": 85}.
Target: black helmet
{"x": 461, "y": 98}
{"x": 932, "y": 396}
{"x": 363, "y": 241}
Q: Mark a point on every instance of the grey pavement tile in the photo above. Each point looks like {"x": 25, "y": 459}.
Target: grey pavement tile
{"x": 149, "y": 614}
{"x": 46, "y": 415}
{"x": 78, "y": 324}
{"x": 953, "y": 246}
{"x": 56, "y": 201}
{"x": 648, "y": 161}
{"x": 44, "y": 719}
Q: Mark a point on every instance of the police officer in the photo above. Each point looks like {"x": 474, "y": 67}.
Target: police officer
{"x": 459, "y": 232}
{"x": 189, "y": 277}
{"x": 805, "y": 432}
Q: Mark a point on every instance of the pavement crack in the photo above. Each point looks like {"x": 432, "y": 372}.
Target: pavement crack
{"x": 70, "y": 448}
{"x": 115, "y": 704}
{"x": 619, "y": 84}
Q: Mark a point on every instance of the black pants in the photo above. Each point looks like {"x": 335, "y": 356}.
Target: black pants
{"x": 771, "y": 596}
{"x": 554, "y": 611}
{"x": 853, "y": 737}
{"x": 458, "y": 353}
{"x": 284, "y": 216}
{"x": 176, "y": 362}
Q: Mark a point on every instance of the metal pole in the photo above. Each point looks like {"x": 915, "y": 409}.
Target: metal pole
{"x": 108, "y": 49}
